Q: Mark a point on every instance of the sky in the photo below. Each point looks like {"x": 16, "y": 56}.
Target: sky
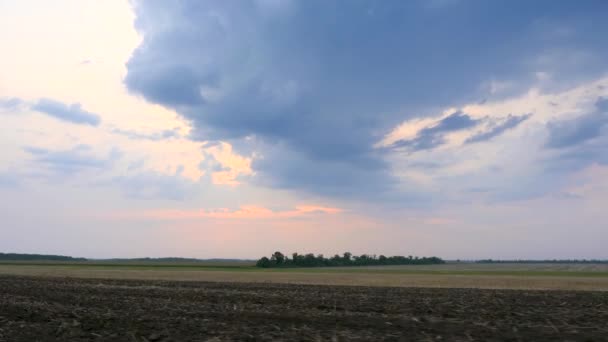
{"x": 231, "y": 129}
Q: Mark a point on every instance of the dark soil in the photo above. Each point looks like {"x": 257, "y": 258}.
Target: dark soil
{"x": 57, "y": 309}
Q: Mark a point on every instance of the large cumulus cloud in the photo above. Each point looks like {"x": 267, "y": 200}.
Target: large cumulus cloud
{"x": 318, "y": 83}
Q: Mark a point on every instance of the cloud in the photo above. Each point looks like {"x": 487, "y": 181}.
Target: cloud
{"x": 454, "y": 122}
{"x": 568, "y": 133}
{"x": 510, "y": 122}
{"x": 109, "y": 170}
{"x": 72, "y": 113}
{"x": 577, "y": 157}
{"x": 287, "y": 169}
{"x": 10, "y": 104}
{"x": 223, "y": 165}
{"x": 315, "y": 99}
{"x": 154, "y": 136}
{"x": 211, "y": 164}
{"x": 78, "y": 159}
{"x": 519, "y": 165}
{"x": 434, "y": 136}
{"x": 244, "y": 212}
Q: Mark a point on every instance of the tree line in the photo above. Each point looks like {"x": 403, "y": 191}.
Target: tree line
{"x": 37, "y": 257}
{"x": 278, "y": 259}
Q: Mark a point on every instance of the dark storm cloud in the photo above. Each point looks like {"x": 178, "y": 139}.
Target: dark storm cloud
{"x": 323, "y": 81}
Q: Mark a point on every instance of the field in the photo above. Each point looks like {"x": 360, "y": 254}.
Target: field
{"x": 454, "y": 302}
{"x": 491, "y": 276}
{"x": 60, "y": 309}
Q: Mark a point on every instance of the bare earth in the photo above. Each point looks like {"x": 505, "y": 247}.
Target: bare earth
{"x": 71, "y": 309}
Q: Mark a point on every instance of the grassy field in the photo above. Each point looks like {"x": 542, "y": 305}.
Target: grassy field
{"x": 503, "y": 269}
{"x": 110, "y": 263}
{"x": 456, "y": 275}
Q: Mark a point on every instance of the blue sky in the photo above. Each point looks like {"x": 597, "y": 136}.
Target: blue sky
{"x": 464, "y": 129}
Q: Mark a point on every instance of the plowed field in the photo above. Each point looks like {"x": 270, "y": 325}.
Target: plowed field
{"x": 63, "y": 309}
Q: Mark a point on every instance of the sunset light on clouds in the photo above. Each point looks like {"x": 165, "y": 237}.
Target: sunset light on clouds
{"x": 237, "y": 128}
{"x": 244, "y": 212}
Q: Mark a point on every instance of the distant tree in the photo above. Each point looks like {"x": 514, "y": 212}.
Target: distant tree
{"x": 263, "y": 262}
{"x": 309, "y": 260}
{"x": 320, "y": 261}
{"x": 347, "y": 256}
{"x": 278, "y": 258}
{"x": 336, "y": 260}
